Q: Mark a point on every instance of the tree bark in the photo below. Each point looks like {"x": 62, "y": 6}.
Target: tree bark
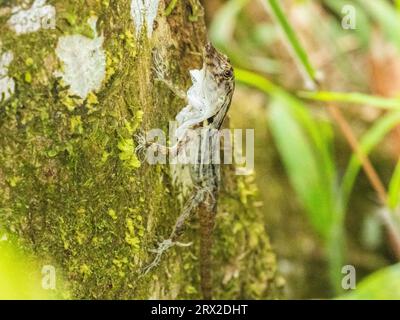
{"x": 71, "y": 189}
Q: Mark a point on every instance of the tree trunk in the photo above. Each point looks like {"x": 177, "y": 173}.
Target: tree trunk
{"x": 71, "y": 187}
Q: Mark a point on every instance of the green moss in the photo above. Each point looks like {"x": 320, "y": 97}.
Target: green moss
{"x": 71, "y": 187}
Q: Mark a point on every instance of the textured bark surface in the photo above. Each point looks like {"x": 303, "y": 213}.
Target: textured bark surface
{"x": 72, "y": 193}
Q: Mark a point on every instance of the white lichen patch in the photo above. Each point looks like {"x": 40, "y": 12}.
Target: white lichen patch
{"x": 144, "y": 12}
{"x": 7, "y": 84}
{"x": 38, "y": 16}
{"x": 84, "y": 61}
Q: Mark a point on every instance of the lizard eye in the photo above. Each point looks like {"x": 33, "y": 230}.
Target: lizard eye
{"x": 228, "y": 73}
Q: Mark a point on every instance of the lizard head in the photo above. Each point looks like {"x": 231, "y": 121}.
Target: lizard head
{"x": 218, "y": 65}
{"x": 221, "y": 83}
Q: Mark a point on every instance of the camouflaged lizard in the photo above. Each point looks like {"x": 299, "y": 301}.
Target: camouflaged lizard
{"x": 208, "y": 101}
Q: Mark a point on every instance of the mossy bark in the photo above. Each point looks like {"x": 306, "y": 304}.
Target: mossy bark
{"x": 69, "y": 194}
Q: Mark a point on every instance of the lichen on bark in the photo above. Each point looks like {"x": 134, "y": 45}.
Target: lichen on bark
{"x": 73, "y": 193}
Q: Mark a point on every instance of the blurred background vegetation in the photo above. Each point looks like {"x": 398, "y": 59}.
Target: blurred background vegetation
{"x": 321, "y": 98}
{"x": 320, "y": 82}
{"x": 22, "y": 276}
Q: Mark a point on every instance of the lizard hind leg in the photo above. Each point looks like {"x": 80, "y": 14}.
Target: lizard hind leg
{"x": 163, "y": 247}
{"x": 194, "y": 201}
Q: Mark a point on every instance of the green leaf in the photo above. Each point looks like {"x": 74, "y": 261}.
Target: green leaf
{"x": 305, "y": 146}
{"x": 371, "y": 139}
{"x": 294, "y": 42}
{"x": 302, "y": 165}
{"x": 381, "y": 285}
{"x": 257, "y": 81}
{"x": 394, "y": 189}
{"x": 351, "y": 98}
{"x": 317, "y": 133}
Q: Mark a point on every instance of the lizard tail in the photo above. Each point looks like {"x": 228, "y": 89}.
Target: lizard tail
{"x": 206, "y": 218}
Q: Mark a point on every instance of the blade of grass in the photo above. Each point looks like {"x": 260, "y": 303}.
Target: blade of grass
{"x": 394, "y": 189}
{"x": 263, "y": 84}
{"x": 351, "y": 98}
{"x": 305, "y": 173}
{"x": 371, "y": 139}
{"x": 312, "y": 177}
{"x": 333, "y": 110}
{"x": 302, "y": 58}
{"x": 291, "y": 36}
{"x": 305, "y": 147}
{"x": 257, "y": 81}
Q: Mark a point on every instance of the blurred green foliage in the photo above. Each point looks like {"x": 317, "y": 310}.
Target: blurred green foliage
{"x": 21, "y": 276}
{"x": 381, "y": 285}
{"x": 304, "y": 141}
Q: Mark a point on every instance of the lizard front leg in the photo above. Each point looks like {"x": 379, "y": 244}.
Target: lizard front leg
{"x": 161, "y": 75}
{"x": 150, "y": 148}
{"x": 178, "y": 92}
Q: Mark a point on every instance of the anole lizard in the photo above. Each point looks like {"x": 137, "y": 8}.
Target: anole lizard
{"x": 208, "y": 102}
